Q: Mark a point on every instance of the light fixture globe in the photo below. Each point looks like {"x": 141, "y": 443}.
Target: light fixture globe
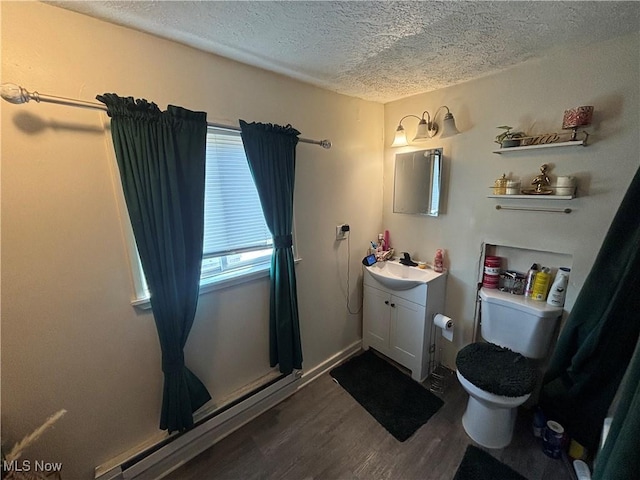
{"x": 422, "y": 132}
{"x": 400, "y": 139}
{"x": 449, "y": 128}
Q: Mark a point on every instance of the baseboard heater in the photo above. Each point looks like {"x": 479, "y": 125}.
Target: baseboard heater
{"x": 166, "y": 454}
{"x": 174, "y": 451}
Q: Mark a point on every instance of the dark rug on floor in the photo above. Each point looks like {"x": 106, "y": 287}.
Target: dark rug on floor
{"x": 480, "y": 465}
{"x": 397, "y": 402}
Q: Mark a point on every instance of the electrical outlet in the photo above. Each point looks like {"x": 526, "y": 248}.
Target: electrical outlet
{"x": 342, "y": 231}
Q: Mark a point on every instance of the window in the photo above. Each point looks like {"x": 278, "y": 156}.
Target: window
{"x": 237, "y": 241}
{"x": 236, "y": 237}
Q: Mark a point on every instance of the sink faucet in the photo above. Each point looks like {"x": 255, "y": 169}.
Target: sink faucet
{"x": 406, "y": 260}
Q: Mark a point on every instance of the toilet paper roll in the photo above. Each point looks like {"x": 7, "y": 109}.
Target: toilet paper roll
{"x": 446, "y": 324}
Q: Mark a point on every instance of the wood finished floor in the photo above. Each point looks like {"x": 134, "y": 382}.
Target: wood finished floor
{"x": 321, "y": 432}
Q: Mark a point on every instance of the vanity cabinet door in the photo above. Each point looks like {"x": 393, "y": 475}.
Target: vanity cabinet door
{"x": 376, "y": 318}
{"x": 407, "y": 333}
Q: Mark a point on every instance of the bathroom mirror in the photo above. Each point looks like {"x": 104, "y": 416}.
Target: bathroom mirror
{"x": 417, "y": 182}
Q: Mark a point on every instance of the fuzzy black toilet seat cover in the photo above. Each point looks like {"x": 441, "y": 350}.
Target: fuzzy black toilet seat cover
{"x": 496, "y": 369}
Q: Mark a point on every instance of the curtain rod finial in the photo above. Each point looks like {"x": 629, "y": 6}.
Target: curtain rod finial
{"x": 13, "y": 93}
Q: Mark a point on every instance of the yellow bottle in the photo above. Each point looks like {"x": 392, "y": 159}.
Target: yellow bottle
{"x": 541, "y": 285}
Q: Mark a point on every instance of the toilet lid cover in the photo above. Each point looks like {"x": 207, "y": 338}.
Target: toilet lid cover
{"x": 496, "y": 369}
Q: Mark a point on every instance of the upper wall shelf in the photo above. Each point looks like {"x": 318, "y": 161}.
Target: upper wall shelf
{"x": 533, "y": 197}
{"x": 571, "y": 143}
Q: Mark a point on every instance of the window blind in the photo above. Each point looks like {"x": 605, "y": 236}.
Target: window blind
{"x": 233, "y": 219}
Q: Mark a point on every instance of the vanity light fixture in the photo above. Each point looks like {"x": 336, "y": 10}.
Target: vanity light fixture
{"x": 427, "y": 128}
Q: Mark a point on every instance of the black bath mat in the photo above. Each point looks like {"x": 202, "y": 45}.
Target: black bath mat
{"x": 398, "y": 403}
{"x": 480, "y": 465}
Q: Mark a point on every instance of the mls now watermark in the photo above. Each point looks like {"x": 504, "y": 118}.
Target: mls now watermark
{"x": 31, "y": 466}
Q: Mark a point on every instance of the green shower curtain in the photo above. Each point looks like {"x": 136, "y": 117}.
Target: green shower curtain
{"x": 271, "y": 153}
{"x": 601, "y": 333}
{"x": 161, "y": 158}
{"x": 619, "y": 459}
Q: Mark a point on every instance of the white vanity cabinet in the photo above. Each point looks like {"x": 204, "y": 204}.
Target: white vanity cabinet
{"x": 397, "y": 323}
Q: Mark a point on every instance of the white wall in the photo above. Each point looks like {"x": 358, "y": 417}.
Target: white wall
{"x": 70, "y": 338}
{"x": 530, "y": 97}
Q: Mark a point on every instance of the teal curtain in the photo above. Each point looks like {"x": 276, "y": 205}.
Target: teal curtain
{"x": 161, "y": 158}
{"x": 619, "y": 459}
{"x": 271, "y": 153}
{"x": 601, "y": 332}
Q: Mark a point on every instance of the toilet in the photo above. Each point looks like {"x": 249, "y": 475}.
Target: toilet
{"x": 500, "y": 374}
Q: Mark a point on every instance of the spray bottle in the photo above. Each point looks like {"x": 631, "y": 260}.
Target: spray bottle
{"x": 531, "y": 277}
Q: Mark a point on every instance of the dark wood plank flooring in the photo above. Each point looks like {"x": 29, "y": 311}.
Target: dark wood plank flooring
{"x": 321, "y": 432}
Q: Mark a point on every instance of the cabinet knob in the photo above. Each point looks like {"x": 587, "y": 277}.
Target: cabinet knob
{"x": 386, "y": 302}
{"x": 393, "y": 304}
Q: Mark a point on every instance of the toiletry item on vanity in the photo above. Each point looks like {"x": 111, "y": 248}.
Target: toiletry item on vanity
{"x": 387, "y": 244}
{"x": 381, "y": 247}
{"x": 559, "y": 287}
{"x": 438, "y": 261}
{"x": 530, "y": 279}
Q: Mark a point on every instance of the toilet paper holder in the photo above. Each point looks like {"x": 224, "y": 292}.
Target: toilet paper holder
{"x": 439, "y": 374}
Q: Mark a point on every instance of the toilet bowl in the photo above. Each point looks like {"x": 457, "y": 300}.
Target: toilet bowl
{"x": 489, "y": 419}
{"x": 499, "y": 374}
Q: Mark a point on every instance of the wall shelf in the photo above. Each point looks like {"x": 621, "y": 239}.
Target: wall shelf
{"x": 571, "y": 143}
{"x": 533, "y": 197}
{"x": 538, "y": 207}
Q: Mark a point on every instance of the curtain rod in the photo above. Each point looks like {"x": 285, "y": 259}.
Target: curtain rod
{"x": 17, "y": 95}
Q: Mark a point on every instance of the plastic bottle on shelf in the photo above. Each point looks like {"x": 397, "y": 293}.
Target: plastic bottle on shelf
{"x": 531, "y": 277}
{"x": 491, "y": 276}
{"x": 541, "y": 284}
{"x": 559, "y": 287}
{"x": 438, "y": 261}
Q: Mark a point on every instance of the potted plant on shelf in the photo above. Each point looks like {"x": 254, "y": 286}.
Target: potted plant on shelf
{"x": 508, "y": 138}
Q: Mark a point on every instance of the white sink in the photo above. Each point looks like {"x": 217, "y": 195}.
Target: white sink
{"x": 396, "y": 276}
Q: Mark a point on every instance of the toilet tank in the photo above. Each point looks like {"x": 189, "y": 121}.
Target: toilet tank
{"x": 518, "y": 323}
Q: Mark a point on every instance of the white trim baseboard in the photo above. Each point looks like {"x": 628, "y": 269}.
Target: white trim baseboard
{"x": 329, "y": 363}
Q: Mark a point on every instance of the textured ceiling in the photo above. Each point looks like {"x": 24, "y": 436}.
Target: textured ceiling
{"x": 378, "y": 51}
